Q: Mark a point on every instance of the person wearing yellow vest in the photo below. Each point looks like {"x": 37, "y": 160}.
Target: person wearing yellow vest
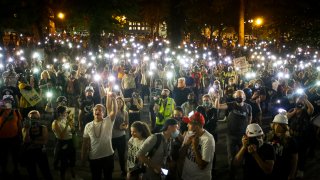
{"x": 163, "y": 109}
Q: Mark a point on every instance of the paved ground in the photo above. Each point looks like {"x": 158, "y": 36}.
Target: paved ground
{"x": 313, "y": 165}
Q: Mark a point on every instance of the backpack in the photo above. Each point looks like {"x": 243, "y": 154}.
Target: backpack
{"x": 156, "y": 146}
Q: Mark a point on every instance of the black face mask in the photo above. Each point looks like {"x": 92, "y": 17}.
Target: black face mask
{"x": 299, "y": 105}
{"x": 190, "y": 100}
{"x": 164, "y": 96}
{"x": 239, "y": 99}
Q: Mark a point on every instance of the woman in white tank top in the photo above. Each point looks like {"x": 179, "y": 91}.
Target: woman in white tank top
{"x": 65, "y": 153}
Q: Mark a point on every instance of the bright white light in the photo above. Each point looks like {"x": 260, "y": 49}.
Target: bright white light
{"x": 66, "y": 65}
{"x": 150, "y": 73}
{"x": 49, "y": 94}
{"x": 146, "y": 58}
{"x": 36, "y": 70}
{"x": 36, "y": 55}
{"x": 111, "y": 78}
{"x": 1, "y": 66}
{"x": 97, "y": 77}
{"x": 300, "y": 91}
{"x": 116, "y": 87}
{"x": 169, "y": 75}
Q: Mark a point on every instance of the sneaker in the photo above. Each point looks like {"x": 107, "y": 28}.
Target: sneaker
{"x": 299, "y": 174}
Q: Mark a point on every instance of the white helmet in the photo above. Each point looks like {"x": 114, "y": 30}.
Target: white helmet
{"x": 281, "y": 118}
{"x": 254, "y": 130}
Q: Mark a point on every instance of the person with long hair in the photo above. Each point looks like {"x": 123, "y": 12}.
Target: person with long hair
{"x": 285, "y": 147}
{"x": 140, "y": 132}
{"x": 65, "y": 152}
{"x": 119, "y": 133}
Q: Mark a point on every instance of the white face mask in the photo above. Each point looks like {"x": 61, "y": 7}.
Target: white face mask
{"x": 260, "y": 140}
{"x": 8, "y": 106}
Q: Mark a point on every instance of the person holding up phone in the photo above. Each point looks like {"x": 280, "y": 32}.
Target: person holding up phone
{"x": 258, "y": 157}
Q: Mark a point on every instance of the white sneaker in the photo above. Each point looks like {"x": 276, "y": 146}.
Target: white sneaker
{"x": 299, "y": 174}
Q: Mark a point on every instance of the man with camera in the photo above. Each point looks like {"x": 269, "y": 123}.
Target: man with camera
{"x": 258, "y": 157}
{"x": 35, "y": 137}
{"x": 163, "y": 109}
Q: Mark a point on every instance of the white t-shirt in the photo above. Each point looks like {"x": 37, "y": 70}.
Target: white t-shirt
{"x": 134, "y": 145}
{"x": 100, "y": 141}
{"x": 207, "y": 148}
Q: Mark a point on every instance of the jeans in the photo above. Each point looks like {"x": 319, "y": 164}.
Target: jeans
{"x": 234, "y": 144}
{"x": 102, "y": 165}
{"x": 36, "y": 157}
{"x": 119, "y": 144}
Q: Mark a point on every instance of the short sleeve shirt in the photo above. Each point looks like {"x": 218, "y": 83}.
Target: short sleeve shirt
{"x": 100, "y": 135}
{"x": 207, "y": 148}
{"x": 251, "y": 167}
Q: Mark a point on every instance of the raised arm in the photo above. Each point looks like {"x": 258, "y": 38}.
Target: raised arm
{"x": 217, "y": 104}
{"x": 112, "y": 107}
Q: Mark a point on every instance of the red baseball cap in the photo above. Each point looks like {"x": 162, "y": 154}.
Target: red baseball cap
{"x": 196, "y": 118}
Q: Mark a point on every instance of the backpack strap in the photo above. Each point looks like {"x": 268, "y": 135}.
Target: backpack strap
{"x": 156, "y": 146}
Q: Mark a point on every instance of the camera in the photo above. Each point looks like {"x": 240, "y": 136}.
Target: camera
{"x": 253, "y": 141}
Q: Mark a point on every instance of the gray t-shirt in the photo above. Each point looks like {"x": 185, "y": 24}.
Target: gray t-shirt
{"x": 120, "y": 118}
{"x": 158, "y": 156}
{"x": 191, "y": 169}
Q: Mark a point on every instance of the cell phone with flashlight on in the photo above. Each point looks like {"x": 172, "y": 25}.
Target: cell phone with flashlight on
{"x": 164, "y": 171}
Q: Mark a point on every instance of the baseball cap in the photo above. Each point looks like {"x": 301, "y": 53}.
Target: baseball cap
{"x": 196, "y": 118}
{"x": 169, "y": 122}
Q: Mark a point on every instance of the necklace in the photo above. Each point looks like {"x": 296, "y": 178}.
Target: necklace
{"x": 94, "y": 131}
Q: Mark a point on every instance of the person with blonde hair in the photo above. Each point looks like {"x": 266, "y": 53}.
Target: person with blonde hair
{"x": 285, "y": 147}
{"x": 35, "y": 138}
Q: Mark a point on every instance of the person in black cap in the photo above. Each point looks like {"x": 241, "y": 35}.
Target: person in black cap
{"x": 86, "y": 105}
{"x": 162, "y": 156}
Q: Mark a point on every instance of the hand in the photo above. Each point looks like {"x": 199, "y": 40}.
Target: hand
{"x": 258, "y": 100}
{"x": 157, "y": 169}
{"x": 252, "y": 149}
{"x": 195, "y": 142}
{"x": 112, "y": 95}
{"x": 244, "y": 141}
{"x": 189, "y": 140}
{"x": 124, "y": 126}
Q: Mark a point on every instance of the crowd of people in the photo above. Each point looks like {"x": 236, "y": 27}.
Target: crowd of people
{"x": 101, "y": 96}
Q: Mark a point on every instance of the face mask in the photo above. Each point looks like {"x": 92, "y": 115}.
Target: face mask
{"x": 190, "y": 100}
{"x": 8, "y": 106}
{"x": 89, "y": 98}
{"x": 257, "y": 86}
{"x": 239, "y": 99}
{"x": 190, "y": 133}
{"x": 299, "y": 105}
{"x": 260, "y": 140}
{"x": 164, "y": 96}
{"x": 175, "y": 134}
{"x": 206, "y": 104}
